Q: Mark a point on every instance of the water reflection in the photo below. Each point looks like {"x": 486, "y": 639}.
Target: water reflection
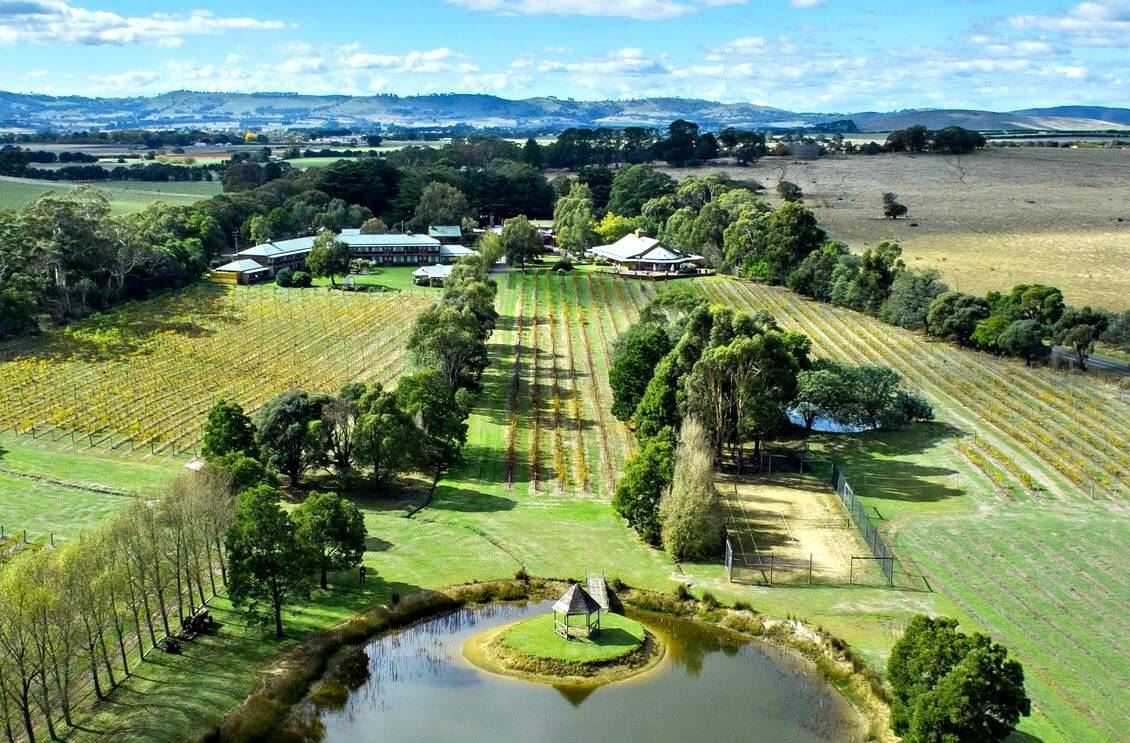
{"x": 415, "y": 685}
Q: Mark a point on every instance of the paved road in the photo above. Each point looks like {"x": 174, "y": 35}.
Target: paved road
{"x": 1094, "y": 362}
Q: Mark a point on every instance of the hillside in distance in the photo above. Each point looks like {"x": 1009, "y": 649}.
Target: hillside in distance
{"x": 546, "y": 114}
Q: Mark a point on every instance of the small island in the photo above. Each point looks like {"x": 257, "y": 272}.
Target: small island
{"x": 579, "y": 643}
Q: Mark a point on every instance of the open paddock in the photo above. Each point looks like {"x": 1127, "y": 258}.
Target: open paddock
{"x": 987, "y": 220}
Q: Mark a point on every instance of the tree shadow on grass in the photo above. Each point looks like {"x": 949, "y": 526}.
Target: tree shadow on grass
{"x": 174, "y": 697}
{"x": 465, "y": 500}
{"x": 876, "y": 466}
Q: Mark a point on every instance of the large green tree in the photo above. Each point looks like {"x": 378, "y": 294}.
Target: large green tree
{"x": 1078, "y": 329}
{"x": 440, "y": 415}
{"x": 647, "y": 475}
{"x": 573, "y": 220}
{"x": 769, "y": 245}
{"x": 386, "y": 436}
{"x": 228, "y": 430}
{"x": 910, "y": 297}
{"x": 520, "y": 241}
{"x": 954, "y": 316}
{"x": 448, "y": 337}
{"x": 634, "y": 358}
{"x": 329, "y": 257}
{"x": 333, "y": 529}
{"x": 635, "y": 186}
{"x": 268, "y": 566}
{"x": 285, "y": 436}
{"x": 949, "y": 687}
{"x": 1025, "y": 339}
{"x": 440, "y": 204}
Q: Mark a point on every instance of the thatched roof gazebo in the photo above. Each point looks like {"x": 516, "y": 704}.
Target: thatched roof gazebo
{"x": 576, "y": 614}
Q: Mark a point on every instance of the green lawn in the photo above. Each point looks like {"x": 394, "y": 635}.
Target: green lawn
{"x": 1039, "y": 571}
{"x": 125, "y": 196}
{"x": 63, "y": 506}
{"x": 536, "y": 637}
{"x": 394, "y": 277}
{"x": 316, "y": 162}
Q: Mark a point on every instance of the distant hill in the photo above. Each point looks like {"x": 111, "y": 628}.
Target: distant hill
{"x": 1060, "y": 118}
{"x": 193, "y": 109}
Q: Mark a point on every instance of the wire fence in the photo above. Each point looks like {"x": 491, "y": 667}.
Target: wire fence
{"x": 867, "y": 529}
{"x": 745, "y": 563}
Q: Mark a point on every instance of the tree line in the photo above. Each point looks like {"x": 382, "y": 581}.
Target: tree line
{"x": 65, "y": 255}
{"x": 83, "y": 616}
{"x": 683, "y": 144}
{"x": 729, "y": 223}
{"x": 695, "y": 381}
{"x": 80, "y": 617}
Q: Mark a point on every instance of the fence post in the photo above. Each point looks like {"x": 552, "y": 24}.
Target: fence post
{"x": 851, "y": 572}
{"x": 770, "y": 569}
{"x": 810, "y": 568}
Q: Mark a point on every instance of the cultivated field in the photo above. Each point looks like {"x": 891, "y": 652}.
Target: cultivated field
{"x": 1005, "y": 529}
{"x": 988, "y": 220}
{"x": 125, "y": 196}
{"x": 139, "y": 380}
{"x": 1014, "y": 504}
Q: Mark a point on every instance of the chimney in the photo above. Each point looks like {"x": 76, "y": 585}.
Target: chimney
{"x": 639, "y": 233}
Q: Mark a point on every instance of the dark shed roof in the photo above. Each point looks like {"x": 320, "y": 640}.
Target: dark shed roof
{"x": 576, "y": 601}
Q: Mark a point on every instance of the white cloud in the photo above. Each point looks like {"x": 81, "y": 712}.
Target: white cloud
{"x": 58, "y": 22}
{"x": 129, "y": 80}
{"x": 645, "y": 10}
{"x": 1096, "y": 23}
{"x": 805, "y": 3}
{"x": 621, "y": 62}
{"x": 428, "y": 61}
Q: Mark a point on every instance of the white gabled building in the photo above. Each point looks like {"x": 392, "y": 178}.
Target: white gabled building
{"x": 638, "y": 253}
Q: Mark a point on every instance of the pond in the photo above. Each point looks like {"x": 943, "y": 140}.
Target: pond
{"x": 415, "y": 685}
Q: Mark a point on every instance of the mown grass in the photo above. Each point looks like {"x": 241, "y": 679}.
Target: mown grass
{"x": 1005, "y": 568}
{"x": 62, "y": 505}
{"x": 125, "y": 197}
{"x": 390, "y": 278}
{"x": 537, "y": 638}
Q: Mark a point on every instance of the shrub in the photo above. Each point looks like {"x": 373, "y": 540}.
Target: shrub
{"x": 709, "y": 601}
{"x": 691, "y": 513}
{"x": 682, "y": 592}
{"x": 302, "y": 280}
{"x": 563, "y": 265}
{"x": 742, "y": 606}
{"x": 522, "y": 575}
{"x": 285, "y": 278}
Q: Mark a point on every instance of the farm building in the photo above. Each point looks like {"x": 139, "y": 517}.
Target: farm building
{"x": 279, "y": 255}
{"x": 637, "y": 253}
{"x": 243, "y": 271}
{"x": 265, "y": 260}
{"x": 448, "y": 234}
{"x": 431, "y": 275}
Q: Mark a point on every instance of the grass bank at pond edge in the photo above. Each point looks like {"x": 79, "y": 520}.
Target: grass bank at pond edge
{"x": 495, "y": 651}
{"x": 301, "y": 671}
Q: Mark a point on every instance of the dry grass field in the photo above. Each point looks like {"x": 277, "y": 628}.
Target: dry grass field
{"x": 798, "y": 523}
{"x": 987, "y": 220}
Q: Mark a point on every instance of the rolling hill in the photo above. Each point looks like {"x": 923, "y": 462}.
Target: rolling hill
{"x": 547, "y": 114}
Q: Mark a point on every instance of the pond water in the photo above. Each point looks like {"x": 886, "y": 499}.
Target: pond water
{"x": 826, "y": 425}
{"x": 415, "y": 685}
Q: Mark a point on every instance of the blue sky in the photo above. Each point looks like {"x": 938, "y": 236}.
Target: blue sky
{"x": 806, "y": 55}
